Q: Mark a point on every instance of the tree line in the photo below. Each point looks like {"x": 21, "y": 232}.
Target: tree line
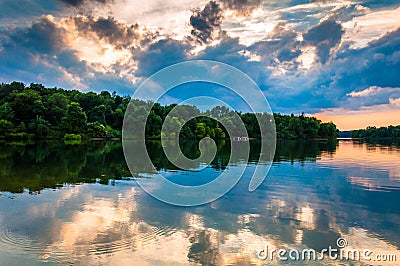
{"x": 44, "y": 113}
{"x": 377, "y": 133}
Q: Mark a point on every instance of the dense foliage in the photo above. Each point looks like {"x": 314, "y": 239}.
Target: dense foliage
{"x": 377, "y": 133}
{"x": 37, "y": 112}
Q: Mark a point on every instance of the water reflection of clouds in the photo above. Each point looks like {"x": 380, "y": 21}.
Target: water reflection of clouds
{"x": 374, "y": 184}
{"x": 365, "y": 155}
{"x": 298, "y": 206}
{"x": 48, "y": 208}
{"x": 360, "y": 239}
{"x": 108, "y": 227}
{"x": 372, "y": 167}
{"x": 107, "y": 224}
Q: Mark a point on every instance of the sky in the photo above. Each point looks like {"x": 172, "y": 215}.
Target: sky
{"x": 337, "y": 60}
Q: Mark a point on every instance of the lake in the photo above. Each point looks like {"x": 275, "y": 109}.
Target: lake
{"x": 78, "y": 204}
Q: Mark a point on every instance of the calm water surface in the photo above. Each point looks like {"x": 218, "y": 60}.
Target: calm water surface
{"x": 65, "y": 204}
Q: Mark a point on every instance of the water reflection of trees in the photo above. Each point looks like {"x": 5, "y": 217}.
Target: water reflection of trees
{"x": 303, "y": 150}
{"x": 310, "y": 208}
{"x": 391, "y": 142}
{"x": 38, "y": 165}
{"x": 35, "y": 166}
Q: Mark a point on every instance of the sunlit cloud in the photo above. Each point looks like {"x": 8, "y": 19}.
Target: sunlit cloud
{"x": 368, "y": 91}
{"x": 394, "y": 101}
{"x": 353, "y": 155}
{"x": 305, "y": 56}
{"x": 363, "y": 29}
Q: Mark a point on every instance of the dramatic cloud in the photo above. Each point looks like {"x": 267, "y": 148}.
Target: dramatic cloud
{"x": 373, "y": 95}
{"x": 53, "y": 52}
{"x": 206, "y": 23}
{"x": 375, "y": 65}
{"x": 161, "y": 54}
{"x": 241, "y": 6}
{"x": 119, "y": 34}
{"x": 360, "y": 30}
{"x": 31, "y": 54}
{"x": 324, "y": 37}
{"x": 77, "y": 3}
{"x": 373, "y": 90}
{"x": 305, "y": 55}
{"x": 281, "y": 46}
{"x": 42, "y": 37}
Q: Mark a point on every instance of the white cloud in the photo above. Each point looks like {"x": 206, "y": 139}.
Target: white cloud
{"x": 317, "y": 5}
{"x": 394, "y": 101}
{"x": 251, "y": 29}
{"x": 307, "y": 57}
{"x": 170, "y": 16}
{"x": 373, "y": 90}
{"x": 363, "y": 29}
{"x": 368, "y": 91}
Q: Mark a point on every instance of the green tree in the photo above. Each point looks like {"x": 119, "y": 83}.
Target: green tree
{"x": 21, "y": 128}
{"x": 6, "y": 127}
{"x": 75, "y": 120}
{"x": 153, "y": 125}
{"x": 40, "y": 127}
{"x": 98, "y": 114}
{"x": 201, "y": 130}
{"x": 57, "y": 105}
{"x": 96, "y": 130}
{"x": 171, "y": 126}
{"x": 328, "y": 130}
{"x": 219, "y": 133}
{"x": 6, "y": 112}
{"x": 22, "y": 105}
{"x": 38, "y": 108}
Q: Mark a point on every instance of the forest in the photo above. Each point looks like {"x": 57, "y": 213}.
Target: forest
{"x": 35, "y": 112}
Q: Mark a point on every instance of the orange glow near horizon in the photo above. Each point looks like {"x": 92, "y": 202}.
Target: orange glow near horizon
{"x": 359, "y": 120}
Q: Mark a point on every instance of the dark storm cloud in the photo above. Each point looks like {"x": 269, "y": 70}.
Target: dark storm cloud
{"x": 206, "y": 22}
{"x": 324, "y": 37}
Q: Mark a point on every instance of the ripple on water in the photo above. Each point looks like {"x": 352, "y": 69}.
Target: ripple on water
{"x": 20, "y": 244}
